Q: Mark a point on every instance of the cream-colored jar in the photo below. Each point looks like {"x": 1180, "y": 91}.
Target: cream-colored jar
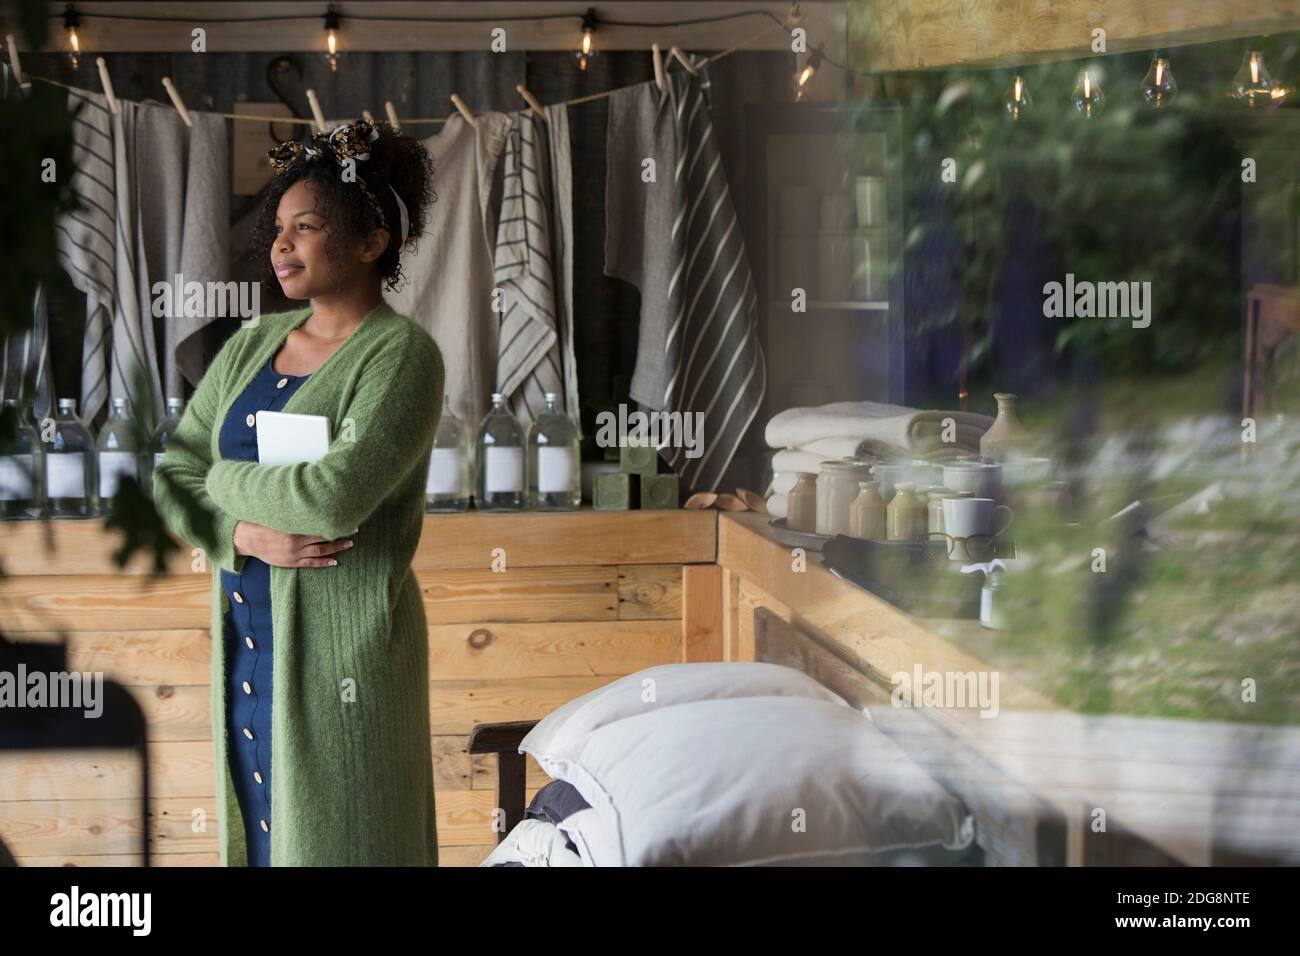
{"x": 801, "y": 503}
{"x": 906, "y": 515}
{"x": 867, "y": 513}
{"x": 837, "y": 486}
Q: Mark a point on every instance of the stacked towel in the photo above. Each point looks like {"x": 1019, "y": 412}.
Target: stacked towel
{"x": 805, "y": 437}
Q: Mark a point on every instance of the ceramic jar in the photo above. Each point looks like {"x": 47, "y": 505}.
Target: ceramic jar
{"x": 867, "y": 514}
{"x": 890, "y": 473}
{"x": 934, "y": 508}
{"x": 837, "y": 486}
{"x": 977, "y": 479}
{"x": 1006, "y": 437}
{"x": 906, "y": 515}
{"x": 801, "y": 503}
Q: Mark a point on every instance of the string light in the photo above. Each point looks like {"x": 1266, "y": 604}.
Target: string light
{"x": 331, "y": 37}
{"x": 1158, "y": 86}
{"x": 1088, "y": 97}
{"x": 70, "y": 23}
{"x": 587, "y": 50}
{"x": 1254, "y": 84}
{"x": 1017, "y": 100}
{"x": 804, "y": 76}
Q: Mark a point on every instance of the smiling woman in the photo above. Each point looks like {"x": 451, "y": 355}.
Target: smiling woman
{"x": 316, "y": 555}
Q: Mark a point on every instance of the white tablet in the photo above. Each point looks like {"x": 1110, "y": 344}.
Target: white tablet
{"x": 286, "y": 439}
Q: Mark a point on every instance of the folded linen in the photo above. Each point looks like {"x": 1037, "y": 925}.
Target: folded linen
{"x": 872, "y": 450}
{"x": 895, "y": 425}
{"x": 778, "y": 506}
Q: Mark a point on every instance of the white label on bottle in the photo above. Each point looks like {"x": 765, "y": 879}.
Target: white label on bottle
{"x": 113, "y": 465}
{"x": 504, "y": 469}
{"x": 15, "y": 477}
{"x": 444, "y": 472}
{"x": 158, "y": 457}
{"x": 65, "y": 474}
{"x": 554, "y": 470}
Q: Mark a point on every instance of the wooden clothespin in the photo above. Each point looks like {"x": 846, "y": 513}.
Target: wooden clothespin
{"x": 659, "y": 65}
{"x": 176, "y": 100}
{"x": 685, "y": 61}
{"x": 392, "y": 115}
{"x": 106, "y": 83}
{"x": 15, "y": 64}
{"x": 317, "y": 114}
{"x": 457, "y": 102}
{"x": 532, "y": 101}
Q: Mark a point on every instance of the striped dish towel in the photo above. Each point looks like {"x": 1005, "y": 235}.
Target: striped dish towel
{"x": 712, "y": 350}
{"x": 530, "y": 354}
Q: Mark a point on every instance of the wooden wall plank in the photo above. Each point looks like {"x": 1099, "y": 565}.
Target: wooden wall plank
{"x": 702, "y": 613}
{"x": 649, "y": 592}
{"x": 488, "y": 650}
{"x": 521, "y": 594}
{"x": 85, "y": 602}
{"x": 457, "y": 705}
{"x": 892, "y": 35}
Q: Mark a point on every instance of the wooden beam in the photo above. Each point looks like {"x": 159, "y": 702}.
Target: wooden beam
{"x": 899, "y": 35}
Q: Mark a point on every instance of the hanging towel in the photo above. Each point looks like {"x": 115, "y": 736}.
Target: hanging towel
{"x": 184, "y": 190}
{"x": 561, "y": 153}
{"x": 85, "y": 236}
{"x": 712, "y": 362}
{"x": 449, "y": 275}
{"x": 25, "y": 370}
{"x": 531, "y": 355}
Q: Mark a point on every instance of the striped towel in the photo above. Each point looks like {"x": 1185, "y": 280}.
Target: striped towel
{"x": 87, "y": 249}
{"x": 715, "y": 361}
{"x": 533, "y": 349}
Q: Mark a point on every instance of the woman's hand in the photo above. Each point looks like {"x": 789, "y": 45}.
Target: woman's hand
{"x": 284, "y": 550}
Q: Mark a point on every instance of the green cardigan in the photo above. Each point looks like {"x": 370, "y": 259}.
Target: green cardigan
{"x": 352, "y": 764}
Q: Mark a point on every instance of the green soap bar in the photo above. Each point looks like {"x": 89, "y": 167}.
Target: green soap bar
{"x": 611, "y": 453}
{"x": 659, "y": 492}
{"x": 639, "y": 459}
{"x": 612, "y": 492}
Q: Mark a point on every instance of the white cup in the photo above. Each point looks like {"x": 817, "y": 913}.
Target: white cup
{"x": 978, "y": 478}
{"x": 966, "y": 517}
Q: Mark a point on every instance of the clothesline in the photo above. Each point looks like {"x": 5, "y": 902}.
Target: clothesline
{"x": 438, "y": 119}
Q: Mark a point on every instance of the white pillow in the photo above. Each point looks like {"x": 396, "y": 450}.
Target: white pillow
{"x": 666, "y": 685}
{"x": 757, "y": 780}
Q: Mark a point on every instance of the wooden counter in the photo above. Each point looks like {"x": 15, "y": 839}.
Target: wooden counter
{"x": 585, "y": 597}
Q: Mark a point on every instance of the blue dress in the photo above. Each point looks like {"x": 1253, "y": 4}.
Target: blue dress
{"x": 248, "y": 637}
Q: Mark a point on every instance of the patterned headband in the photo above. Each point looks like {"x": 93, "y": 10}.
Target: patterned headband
{"x": 351, "y": 141}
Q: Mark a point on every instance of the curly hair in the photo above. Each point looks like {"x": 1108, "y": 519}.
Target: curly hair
{"x": 406, "y": 166}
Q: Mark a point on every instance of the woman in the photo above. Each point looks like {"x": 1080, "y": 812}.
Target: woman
{"x": 320, "y": 653}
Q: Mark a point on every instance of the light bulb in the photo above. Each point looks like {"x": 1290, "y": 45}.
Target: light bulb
{"x": 805, "y": 75}
{"x": 1088, "y": 97}
{"x": 331, "y": 38}
{"x": 586, "y": 46}
{"x": 1254, "y": 84}
{"x": 1017, "y": 101}
{"x": 1159, "y": 86}
{"x": 70, "y": 23}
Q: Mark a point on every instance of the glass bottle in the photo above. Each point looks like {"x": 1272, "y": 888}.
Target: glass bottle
{"x": 501, "y": 483}
{"x": 448, "y": 484}
{"x": 158, "y": 443}
{"x": 22, "y": 463}
{"x": 554, "y": 460}
{"x": 119, "y": 454}
{"x": 70, "y": 465}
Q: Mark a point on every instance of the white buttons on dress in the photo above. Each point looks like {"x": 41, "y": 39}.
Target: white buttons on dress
{"x": 249, "y": 641}
{"x": 257, "y": 775}
{"x": 282, "y": 383}
{"x": 248, "y": 733}
{"x": 266, "y": 827}
{"x": 250, "y": 419}
{"x": 248, "y": 688}
{"x": 239, "y": 597}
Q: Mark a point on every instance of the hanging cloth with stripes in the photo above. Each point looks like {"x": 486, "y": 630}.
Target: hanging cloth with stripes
{"x": 535, "y": 347}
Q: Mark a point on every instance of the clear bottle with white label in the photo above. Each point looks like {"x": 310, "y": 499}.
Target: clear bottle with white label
{"x": 119, "y": 454}
{"x": 448, "y": 484}
{"x": 501, "y": 483}
{"x": 22, "y": 463}
{"x": 554, "y": 460}
{"x": 71, "y": 477}
{"x": 158, "y": 443}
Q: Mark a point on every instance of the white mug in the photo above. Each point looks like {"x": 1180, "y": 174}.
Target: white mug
{"x": 980, "y": 479}
{"x": 966, "y": 517}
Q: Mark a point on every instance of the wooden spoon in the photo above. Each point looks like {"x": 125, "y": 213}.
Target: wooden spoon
{"x": 731, "y": 503}
{"x": 700, "y": 500}
{"x": 753, "y": 500}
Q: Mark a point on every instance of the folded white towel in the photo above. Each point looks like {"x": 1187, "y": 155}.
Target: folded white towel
{"x": 783, "y": 482}
{"x": 895, "y": 425}
{"x": 777, "y": 506}
{"x": 792, "y": 460}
